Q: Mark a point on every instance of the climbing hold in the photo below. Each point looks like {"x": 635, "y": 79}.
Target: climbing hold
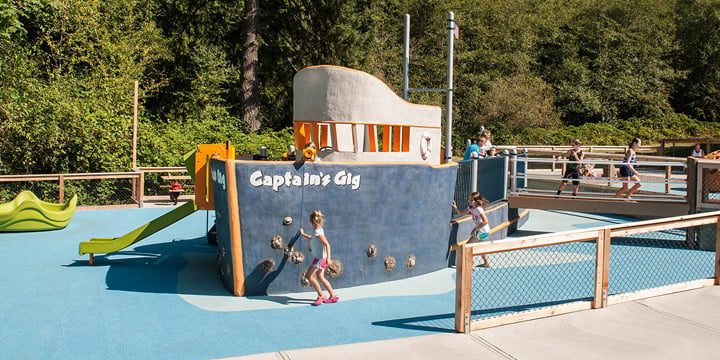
{"x": 297, "y": 257}
{"x": 287, "y": 220}
{"x": 276, "y": 242}
{"x": 371, "y": 251}
{"x": 335, "y": 269}
{"x": 410, "y": 262}
{"x": 304, "y": 280}
{"x": 267, "y": 265}
{"x": 289, "y": 250}
{"x": 389, "y": 263}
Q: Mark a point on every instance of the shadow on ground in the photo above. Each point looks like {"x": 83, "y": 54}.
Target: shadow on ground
{"x": 442, "y": 323}
{"x": 156, "y": 268}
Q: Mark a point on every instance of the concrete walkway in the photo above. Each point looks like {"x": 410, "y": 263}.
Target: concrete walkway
{"x": 684, "y": 325}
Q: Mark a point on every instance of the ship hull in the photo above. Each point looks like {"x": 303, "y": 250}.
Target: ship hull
{"x": 383, "y": 221}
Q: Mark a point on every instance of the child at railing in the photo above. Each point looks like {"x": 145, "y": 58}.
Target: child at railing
{"x": 698, "y": 151}
{"x": 487, "y": 148}
{"x": 572, "y": 170}
{"x": 481, "y": 231}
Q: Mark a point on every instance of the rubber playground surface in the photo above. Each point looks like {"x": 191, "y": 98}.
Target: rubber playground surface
{"x": 162, "y": 297}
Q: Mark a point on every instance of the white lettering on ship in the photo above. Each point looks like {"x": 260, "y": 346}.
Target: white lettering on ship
{"x": 341, "y": 178}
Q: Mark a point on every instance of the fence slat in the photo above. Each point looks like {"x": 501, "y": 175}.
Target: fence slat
{"x": 531, "y": 315}
{"x": 602, "y": 262}
{"x": 463, "y": 292}
{"x": 527, "y": 243}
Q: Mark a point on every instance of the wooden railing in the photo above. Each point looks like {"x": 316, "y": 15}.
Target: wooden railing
{"x": 136, "y": 178}
{"x": 708, "y": 142}
{"x": 605, "y": 149}
{"x": 602, "y": 237}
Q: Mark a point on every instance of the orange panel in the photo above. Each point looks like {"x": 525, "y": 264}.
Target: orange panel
{"x": 315, "y": 133}
{"x": 372, "y": 137}
{"x": 299, "y": 134}
{"x": 406, "y": 138}
{"x": 203, "y": 180}
{"x": 324, "y": 135}
{"x": 396, "y": 138}
{"x": 386, "y": 138}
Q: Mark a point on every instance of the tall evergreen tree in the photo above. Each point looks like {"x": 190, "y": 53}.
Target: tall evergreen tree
{"x": 250, "y": 92}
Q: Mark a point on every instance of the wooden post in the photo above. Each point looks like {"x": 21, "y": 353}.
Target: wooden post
{"x": 140, "y": 189}
{"x": 717, "y": 252}
{"x": 668, "y": 176}
{"x": 662, "y": 148}
{"x": 61, "y": 190}
{"x": 92, "y": 259}
{"x": 691, "y": 186}
{"x": 135, "y": 118}
{"x": 602, "y": 264}
{"x": 234, "y": 223}
{"x": 463, "y": 288}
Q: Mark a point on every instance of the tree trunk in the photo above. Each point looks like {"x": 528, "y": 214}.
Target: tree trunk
{"x": 250, "y": 93}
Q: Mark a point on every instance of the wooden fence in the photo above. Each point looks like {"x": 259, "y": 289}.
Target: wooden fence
{"x": 603, "y": 238}
{"x": 136, "y": 178}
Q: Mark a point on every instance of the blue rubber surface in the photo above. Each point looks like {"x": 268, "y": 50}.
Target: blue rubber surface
{"x": 132, "y": 304}
{"x": 127, "y": 305}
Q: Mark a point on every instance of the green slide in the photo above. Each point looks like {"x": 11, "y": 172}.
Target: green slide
{"x": 108, "y": 245}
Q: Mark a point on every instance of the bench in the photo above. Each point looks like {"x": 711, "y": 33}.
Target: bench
{"x": 184, "y": 186}
{"x": 176, "y": 177}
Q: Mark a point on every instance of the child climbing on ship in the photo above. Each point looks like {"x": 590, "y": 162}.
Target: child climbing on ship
{"x": 481, "y": 231}
{"x": 320, "y": 248}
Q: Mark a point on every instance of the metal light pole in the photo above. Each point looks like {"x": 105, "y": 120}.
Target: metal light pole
{"x": 406, "y": 56}
{"x": 448, "y": 90}
{"x": 448, "y": 111}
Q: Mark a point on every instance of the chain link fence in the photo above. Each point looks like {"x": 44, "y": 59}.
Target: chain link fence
{"x": 711, "y": 186}
{"x": 533, "y": 277}
{"x": 659, "y": 258}
{"x": 528, "y": 279}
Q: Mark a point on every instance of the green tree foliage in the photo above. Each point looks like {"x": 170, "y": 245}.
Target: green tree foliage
{"x": 531, "y": 71}
{"x": 518, "y": 103}
{"x": 66, "y": 80}
{"x": 200, "y": 78}
{"x": 698, "y": 56}
{"x": 296, "y": 34}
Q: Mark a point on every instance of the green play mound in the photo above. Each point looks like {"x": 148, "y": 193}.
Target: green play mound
{"x": 28, "y": 213}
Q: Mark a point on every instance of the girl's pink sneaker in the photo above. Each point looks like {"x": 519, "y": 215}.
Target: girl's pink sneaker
{"x": 320, "y": 300}
{"x": 331, "y": 300}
